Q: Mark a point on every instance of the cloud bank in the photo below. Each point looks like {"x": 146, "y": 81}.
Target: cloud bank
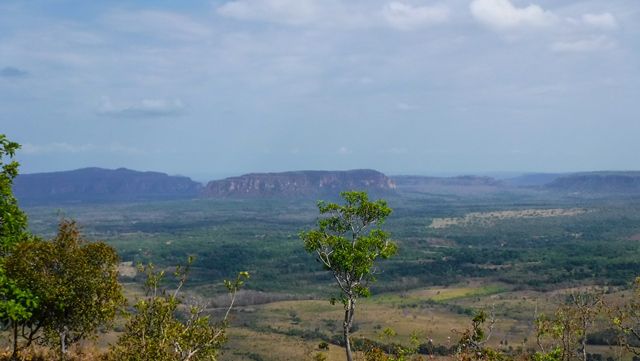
{"x": 502, "y": 14}
{"x": 407, "y": 17}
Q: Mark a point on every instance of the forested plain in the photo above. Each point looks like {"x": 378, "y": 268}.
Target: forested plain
{"x": 513, "y": 254}
{"x": 597, "y": 244}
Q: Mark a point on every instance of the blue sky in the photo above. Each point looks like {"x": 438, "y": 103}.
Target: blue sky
{"x": 217, "y": 88}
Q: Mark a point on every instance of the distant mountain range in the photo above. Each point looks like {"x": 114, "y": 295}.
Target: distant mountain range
{"x": 89, "y": 185}
{"x": 597, "y": 183}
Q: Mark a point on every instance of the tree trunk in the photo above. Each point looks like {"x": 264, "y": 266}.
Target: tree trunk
{"x": 348, "y": 322}
{"x": 63, "y": 345}
{"x": 584, "y": 339}
{"x": 14, "y": 354}
{"x": 347, "y": 343}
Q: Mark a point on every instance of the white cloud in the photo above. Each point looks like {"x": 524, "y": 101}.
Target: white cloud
{"x": 583, "y": 45}
{"x": 407, "y": 17}
{"x": 142, "y": 108}
{"x": 502, "y": 14}
{"x": 604, "y": 21}
{"x": 344, "y": 150}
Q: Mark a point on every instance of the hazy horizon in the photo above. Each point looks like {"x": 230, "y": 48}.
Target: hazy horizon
{"x": 206, "y": 177}
{"x": 221, "y": 88}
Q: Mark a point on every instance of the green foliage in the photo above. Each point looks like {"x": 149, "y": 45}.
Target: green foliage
{"x": 555, "y": 354}
{"x": 75, "y": 284}
{"x": 626, "y": 320}
{"x": 563, "y": 336}
{"x": 342, "y": 243}
{"x": 157, "y": 332}
{"x": 472, "y": 345}
{"x": 16, "y": 305}
{"x": 387, "y": 350}
{"x": 13, "y": 222}
{"x": 347, "y": 242}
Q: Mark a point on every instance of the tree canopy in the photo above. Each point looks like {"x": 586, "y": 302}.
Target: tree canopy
{"x": 74, "y": 281}
{"x": 347, "y": 242}
{"x": 13, "y": 222}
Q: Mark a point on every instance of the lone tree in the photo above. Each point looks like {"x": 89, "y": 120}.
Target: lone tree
{"x": 347, "y": 242}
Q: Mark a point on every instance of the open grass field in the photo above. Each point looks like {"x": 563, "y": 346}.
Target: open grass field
{"x": 293, "y": 329}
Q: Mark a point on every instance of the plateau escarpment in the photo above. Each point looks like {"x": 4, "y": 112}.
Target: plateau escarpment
{"x": 102, "y": 185}
{"x": 299, "y": 184}
{"x": 91, "y": 185}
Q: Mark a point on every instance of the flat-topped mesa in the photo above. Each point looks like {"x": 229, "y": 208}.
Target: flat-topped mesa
{"x": 300, "y": 184}
{"x": 89, "y": 185}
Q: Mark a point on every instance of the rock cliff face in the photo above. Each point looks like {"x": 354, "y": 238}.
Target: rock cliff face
{"x": 102, "y": 185}
{"x": 299, "y": 184}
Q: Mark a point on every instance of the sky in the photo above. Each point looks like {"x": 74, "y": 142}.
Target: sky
{"x": 210, "y": 89}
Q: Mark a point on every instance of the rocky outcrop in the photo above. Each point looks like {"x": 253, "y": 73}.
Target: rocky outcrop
{"x": 299, "y": 184}
{"x": 102, "y": 185}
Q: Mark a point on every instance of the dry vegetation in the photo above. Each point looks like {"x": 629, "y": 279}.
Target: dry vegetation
{"x": 489, "y": 218}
